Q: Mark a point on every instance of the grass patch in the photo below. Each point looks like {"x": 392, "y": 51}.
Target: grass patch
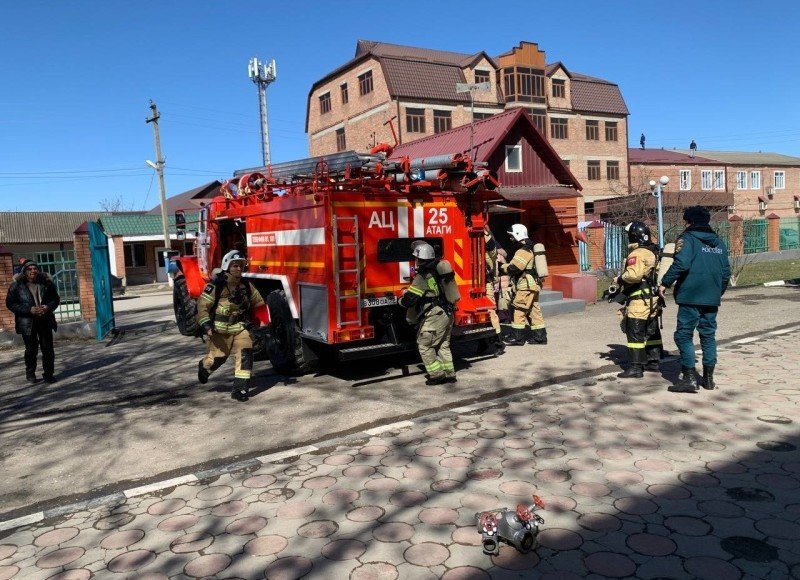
{"x": 760, "y": 272}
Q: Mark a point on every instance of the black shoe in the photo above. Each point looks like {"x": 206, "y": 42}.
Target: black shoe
{"x": 202, "y": 373}
{"x": 499, "y": 345}
{"x": 30, "y": 377}
{"x": 451, "y": 379}
{"x": 538, "y": 336}
{"x": 687, "y": 383}
{"x": 634, "y": 371}
{"x": 515, "y": 338}
{"x": 49, "y": 379}
{"x": 708, "y": 378}
{"x": 240, "y": 395}
{"x": 436, "y": 381}
{"x": 653, "y": 366}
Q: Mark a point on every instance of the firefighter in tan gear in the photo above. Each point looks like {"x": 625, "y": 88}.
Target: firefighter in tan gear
{"x": 491, "y": 278}
{"x": 430, "y": 301}
{"x": 526, "y": 310}
{"x": 642, "y": 311}
{"x": 223, "y": 312}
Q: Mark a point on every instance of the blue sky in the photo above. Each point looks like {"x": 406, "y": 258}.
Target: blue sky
{"x": 77, "y": 77}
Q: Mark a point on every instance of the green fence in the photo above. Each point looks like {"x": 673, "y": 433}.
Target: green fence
{"x": 755, "y": 236}
{"x": 790, "y": 233}
{"x": 61, "y": 265}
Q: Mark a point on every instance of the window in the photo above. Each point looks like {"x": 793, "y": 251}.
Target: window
{"x": 559, "y": 89}
{"x": 741, "y": 180}
{"x": 523, "y": 84}
{"x": 325, "y": 103}
{"x": 558, "y": 128}
{"x": 780, "y": 180}
{"x": 480, "y": 116}
{"x": 592, "y": 130}
{"x": 588, "y": 207}
{"x": 442, "y": 121}
{"x": 705, "y": 179}
{"x": 611, "y": 130}
{"x": 685, "y": 179}
{"x": 415, "y": 120}
{"x": 341, "y": 142}
{"x": 513, "y": 158}
{"x": 481, "y": 76}
{"x": 539, "y": 118}
{"x": 134, "y": 255}
{"x": 612, "y": 170}
{"x": 755, "y": 180}
{"x": 593, "y": 170}
{"x": 719, "y": 179}
{"x": 365, "y": 83}
{"x": 345, "y": 94}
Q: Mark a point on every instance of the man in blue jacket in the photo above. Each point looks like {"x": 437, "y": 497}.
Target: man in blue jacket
{"x": 700, "y": 273}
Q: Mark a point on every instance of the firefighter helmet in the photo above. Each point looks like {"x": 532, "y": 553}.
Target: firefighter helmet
{"x": 638, "y": 233}
{"x": 230, "y": 258}
{"x": 422, "y": 250}
{"x": 518, "y": 232}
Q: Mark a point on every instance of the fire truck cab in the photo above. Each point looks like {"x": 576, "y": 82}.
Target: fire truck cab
{"x": 328, "y": 242}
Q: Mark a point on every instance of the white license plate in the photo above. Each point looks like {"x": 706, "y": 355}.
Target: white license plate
{"x": 380, "y": 301}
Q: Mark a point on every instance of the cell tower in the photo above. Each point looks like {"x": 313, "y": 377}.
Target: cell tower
{"x": 263, "y": 75}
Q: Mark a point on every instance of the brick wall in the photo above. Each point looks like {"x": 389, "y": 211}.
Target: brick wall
{"x": 83, "y": 258}
{"x": 6, "y": 278}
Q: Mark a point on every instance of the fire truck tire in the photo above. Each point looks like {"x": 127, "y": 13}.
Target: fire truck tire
{"x": 185, "y": 309}
{"x": 285, "y": 348}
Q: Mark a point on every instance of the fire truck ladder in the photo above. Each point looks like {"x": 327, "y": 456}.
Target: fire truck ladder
{"x": 341, "y": 272}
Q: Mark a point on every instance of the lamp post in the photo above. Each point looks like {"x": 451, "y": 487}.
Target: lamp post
{"x": 471, "y": 88}
{"x": 657, "y": 190}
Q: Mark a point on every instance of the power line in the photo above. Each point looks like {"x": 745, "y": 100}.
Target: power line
{"x": 70, "y": 171}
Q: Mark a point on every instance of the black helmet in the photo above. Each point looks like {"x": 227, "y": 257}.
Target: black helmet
{"x": 638, "y": 233}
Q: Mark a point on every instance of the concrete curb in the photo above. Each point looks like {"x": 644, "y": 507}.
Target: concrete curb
{"x": 791, "y": 282}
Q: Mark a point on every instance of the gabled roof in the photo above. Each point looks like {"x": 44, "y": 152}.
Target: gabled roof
{"x": 143, "y": 224}
{"x": 33, "y": 227}
{"x": 665, "y": 157}
{"x": 190, "y": 200}
{"x": 487, "y": 137}
{"x": 749, "y": 158}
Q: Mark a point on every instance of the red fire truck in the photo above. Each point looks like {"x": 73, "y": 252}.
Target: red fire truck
{"x": 328, "y": 241}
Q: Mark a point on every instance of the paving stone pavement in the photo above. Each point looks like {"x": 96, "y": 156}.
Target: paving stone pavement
{"x": 637, "y": 481}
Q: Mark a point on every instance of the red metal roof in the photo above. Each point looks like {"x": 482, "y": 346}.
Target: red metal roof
{"x": 665, "y": 157}
{"x": 487, "y": 137}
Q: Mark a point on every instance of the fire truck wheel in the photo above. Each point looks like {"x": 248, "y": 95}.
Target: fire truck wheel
{"x": 285, "y": 348}
{"x": 185, "y": 309}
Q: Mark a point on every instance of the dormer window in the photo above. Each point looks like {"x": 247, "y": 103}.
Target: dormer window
{"x": 559, "y": 89}
{"x": 482, "y": 76}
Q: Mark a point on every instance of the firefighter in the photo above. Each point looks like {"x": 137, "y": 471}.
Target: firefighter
{"x": 491, "y": 277}
{"x": 223, "y": 312}
{"x": 642, "y": 310}
{"x": 430, "y": 301}
{"x": 525, "y": 306}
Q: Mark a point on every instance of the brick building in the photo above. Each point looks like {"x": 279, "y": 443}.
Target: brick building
{"x": 747, "y": 184}
{"x": 583, "y": 117}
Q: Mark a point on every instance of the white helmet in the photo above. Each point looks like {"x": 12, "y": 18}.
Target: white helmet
{"x": 422, "y": 250}
{"x": 230, "y": 258}
{"x": 518, "y": 232}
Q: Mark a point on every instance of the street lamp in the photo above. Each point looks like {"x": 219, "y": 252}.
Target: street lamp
{"x": 471, "y": 88}
{"x": 657, "y": 191}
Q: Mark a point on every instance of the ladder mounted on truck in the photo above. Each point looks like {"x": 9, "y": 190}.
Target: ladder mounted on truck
{"x": 347, "y": 277}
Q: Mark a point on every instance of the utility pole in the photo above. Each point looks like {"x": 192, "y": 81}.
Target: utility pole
{"x": 471, "y": 88}
{"x": 159, "y": 167}
{"x": 262, "y": 75}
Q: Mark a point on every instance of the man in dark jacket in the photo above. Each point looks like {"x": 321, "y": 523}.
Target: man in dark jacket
{"x": 701, "y": 271}
{"x": 32, "y": 298}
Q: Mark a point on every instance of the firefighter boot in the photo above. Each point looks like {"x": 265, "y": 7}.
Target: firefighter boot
{"x": 634, "y": 371}
{"x": 537, "y": 336}
{"x": 239, "y": 391}
{"x": 687, "y": 383}
{"x": 516, "y": 337}
{"x": 499, "y": 345}
{"x": 436, "y": 380}
{"x": 202, "y": 373}
{"x": 708, "y": 378}
{"x": 652, "y": 366}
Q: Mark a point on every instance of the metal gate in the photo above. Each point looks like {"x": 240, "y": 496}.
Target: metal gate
{"x": 61, "y": 267}
{"x": 755, "y": 236}
{"x": 616, "y": 246}
{"x": 101, "y": 279}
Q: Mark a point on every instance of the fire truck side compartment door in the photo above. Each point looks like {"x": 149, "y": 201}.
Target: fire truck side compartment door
{"x": 314, "y": 311}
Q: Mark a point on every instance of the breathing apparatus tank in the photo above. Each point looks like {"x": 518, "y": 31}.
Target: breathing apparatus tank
{"x": 667, "y": 258}
{"x": 540, "y": 260}
{"x": 449, "y": 287}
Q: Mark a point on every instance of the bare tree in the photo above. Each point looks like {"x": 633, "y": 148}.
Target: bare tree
{"x": 115, "y": 204}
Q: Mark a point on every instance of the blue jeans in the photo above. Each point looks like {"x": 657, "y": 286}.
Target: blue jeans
{"x": 704, "y": 319}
